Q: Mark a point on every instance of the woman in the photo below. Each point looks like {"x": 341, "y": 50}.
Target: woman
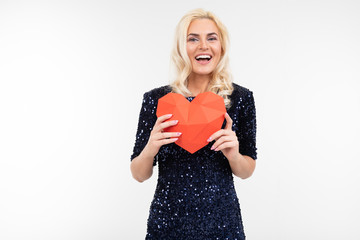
{"x": 195, "y": 196}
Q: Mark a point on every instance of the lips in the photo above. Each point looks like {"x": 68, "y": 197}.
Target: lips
{"x": 203, "y": 58}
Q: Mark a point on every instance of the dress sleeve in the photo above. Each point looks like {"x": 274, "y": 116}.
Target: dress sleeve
{"x": 147, "y": 119}
{"x": 247, "y": 133}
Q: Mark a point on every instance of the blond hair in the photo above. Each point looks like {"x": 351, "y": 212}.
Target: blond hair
{"x": 221, "y": 82}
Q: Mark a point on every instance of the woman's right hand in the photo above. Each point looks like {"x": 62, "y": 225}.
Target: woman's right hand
{"x": 142, "y": 165}
{"x": 158, "y": 137}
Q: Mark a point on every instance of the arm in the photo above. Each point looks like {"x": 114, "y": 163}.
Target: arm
{"x": 242, "y": 166}
{"x": 226, "y": 141}
{"x": 239, "y": 147}
{"x": 142, "y": 166}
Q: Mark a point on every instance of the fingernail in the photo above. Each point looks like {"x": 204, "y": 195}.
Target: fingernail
{"x": 176, "y": 139}
{"x": 169, "y": 115}
{"x": 212, "y": 148}
{"x": 226, "y": 114}
{"x": 179, "y": 133}
{"x": 175, "y": 121}
{"x": 209, "y": 139}
{"x": 216, "y": 150}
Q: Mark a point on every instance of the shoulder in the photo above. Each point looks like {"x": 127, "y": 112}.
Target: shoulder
{"x": 158, "y": 92}
{"x": 242, "y": 99}
{"x": 150, "y": 100}
{"x": 241, "y": 92}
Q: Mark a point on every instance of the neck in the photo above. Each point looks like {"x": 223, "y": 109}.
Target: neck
{"x": 198, "y": 83}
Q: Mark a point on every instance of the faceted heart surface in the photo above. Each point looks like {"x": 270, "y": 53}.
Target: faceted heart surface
{"x": 198, "y": 119}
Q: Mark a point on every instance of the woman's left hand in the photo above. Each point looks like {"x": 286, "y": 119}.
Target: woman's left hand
{"x": 226, "y": 140}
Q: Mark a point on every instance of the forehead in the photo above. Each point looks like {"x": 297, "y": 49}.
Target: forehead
{"x": 202, "y": 26}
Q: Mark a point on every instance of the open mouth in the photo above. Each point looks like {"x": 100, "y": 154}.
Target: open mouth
{"x": 203, "y": 58}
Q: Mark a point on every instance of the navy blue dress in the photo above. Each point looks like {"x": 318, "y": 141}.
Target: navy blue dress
{"x": 195, "y": 198}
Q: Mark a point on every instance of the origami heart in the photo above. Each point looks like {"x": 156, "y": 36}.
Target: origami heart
{"x": 198, "y": 119}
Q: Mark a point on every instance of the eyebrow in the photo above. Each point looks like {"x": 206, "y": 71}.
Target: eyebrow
{"x": 196, "y": 35}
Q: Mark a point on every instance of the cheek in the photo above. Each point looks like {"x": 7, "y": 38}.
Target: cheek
{"x": 189, "y": 50}
{"x": 218, "y": 49}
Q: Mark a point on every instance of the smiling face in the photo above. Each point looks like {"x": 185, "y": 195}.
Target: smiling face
{"x": 203, "y": 46}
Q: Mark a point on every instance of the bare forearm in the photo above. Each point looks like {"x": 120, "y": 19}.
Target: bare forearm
{"x": 242, "y": 166}
{"x": 142, "y": 166}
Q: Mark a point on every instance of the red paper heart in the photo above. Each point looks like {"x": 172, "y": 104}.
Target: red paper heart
{"x": 198, "y": 119}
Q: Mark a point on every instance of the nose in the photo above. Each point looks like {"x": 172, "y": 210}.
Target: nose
{"x": 203, "y": 45}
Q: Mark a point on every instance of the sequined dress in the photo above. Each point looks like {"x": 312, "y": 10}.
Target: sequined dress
{"x": 195, "y": 198}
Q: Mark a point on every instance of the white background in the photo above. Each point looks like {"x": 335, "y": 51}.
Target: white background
{"x": 72, "y": 78}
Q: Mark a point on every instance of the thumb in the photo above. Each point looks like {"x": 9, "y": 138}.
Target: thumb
{"x": 228, "y": 122}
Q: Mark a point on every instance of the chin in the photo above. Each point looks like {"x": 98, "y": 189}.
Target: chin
{"x": 203, "y": 71}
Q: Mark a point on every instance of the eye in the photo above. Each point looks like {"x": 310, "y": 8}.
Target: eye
{"x": 192, "y": 39}
{"x": 212, "y": 38}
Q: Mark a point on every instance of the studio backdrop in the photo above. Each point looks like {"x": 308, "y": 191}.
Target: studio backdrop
{"x": 72, "y": 78}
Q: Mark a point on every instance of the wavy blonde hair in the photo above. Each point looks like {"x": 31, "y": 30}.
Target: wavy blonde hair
{"x": 221, "y": 81}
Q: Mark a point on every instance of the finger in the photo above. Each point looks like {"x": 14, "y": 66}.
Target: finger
{"x": 225, "y": 145}
{"x": 167, "y": 141}
{"x": 221, "y": 141}
{"x": 167, "y": 124}
{"x": 216, "y": 135}
{"x": 163, "y": 118}
{"x": 165, "y": 135}
{"x": 159, "y": 120}
{"x": 229, "y": 121}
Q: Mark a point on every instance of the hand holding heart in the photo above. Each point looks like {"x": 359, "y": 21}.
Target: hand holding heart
{"x": 158, "y": 137}
{"x": 226, "y": 140}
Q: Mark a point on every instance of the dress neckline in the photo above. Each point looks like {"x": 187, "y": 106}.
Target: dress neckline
{"x": 190, "y": 99}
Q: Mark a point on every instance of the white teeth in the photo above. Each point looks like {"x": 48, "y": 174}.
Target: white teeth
{"x": 203, "y": 56}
